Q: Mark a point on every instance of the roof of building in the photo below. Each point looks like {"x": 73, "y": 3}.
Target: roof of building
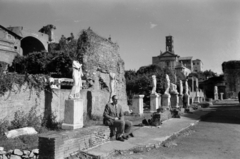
{"x": 9, "y": 31}
{"x": 197, "y": 60}
{"x": 186, "y": 58}
{"x": 17, "y": 30}
{"x": 168, "y": 52}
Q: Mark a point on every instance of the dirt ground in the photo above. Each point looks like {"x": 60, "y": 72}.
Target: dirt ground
{"x": 217, "y": 137}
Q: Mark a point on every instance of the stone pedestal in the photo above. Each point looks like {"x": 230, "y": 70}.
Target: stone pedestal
{"x": 180, "y": 100}
{"x": 216, "y": 96}
{"x": 137, "y": 106}
{"x": 221, "y": 96}
{"x": 174, "y": 101}
{"x": 73, "y": 114}
{"x": 154, "y": 99}
{"x": 166, "y": 100}
{"x": 187, "y": 98}
{"x": 159, "y": 101}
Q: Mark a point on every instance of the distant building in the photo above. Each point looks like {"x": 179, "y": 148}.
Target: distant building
{"x": 9, "y": 47}
{"x": 17, "y": 41}
{"x": 171, "y": 60}
{"x": 197, "y": 65}
{"x": 167, "y": 59}
{"x": 187, "y": 62}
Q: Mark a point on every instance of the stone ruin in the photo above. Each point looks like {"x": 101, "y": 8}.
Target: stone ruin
{"x": 231, "y": 70}
{"x": 100, "y": 58}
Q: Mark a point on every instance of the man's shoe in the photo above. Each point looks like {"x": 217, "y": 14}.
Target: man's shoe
{"x": 120, "y": 139}
{"x": 131, "y": 134}
{"x": 125, "y": 137}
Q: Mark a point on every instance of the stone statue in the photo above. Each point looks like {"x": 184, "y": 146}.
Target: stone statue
{"x": 112, "y": 85}
{"x": 180, "y": 87}
{"x": 48, "y": 29}
{"x": 186, "y": 87}
{"x": 173, "y": 89}
{"x": 215, "y": 90}
{"x": 77, "y": 80}
{"x": 154, "y": 84}
{"x": 167, "y": 84}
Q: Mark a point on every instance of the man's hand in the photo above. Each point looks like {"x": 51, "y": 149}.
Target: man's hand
{"x": 116, "y": 118}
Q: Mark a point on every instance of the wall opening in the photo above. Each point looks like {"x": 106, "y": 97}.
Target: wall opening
{"x": 30, "y": 44}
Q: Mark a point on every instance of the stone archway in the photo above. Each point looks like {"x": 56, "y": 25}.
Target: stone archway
{"x": 31, "y": 44}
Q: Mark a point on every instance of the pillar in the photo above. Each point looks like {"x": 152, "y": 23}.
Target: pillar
{"x": 73, "y": 114}
{"x": 154, "y": 99}
{"x": 137, "y": 104}
{"x": 221, "y": 96}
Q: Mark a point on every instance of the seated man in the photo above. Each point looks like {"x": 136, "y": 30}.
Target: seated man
{"x": 114, "y": 118}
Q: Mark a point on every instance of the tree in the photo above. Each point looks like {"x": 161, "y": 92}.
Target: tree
{"x": 140, "y": 81}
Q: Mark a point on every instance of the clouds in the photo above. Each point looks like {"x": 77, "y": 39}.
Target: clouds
{"x": 152, "y": 25}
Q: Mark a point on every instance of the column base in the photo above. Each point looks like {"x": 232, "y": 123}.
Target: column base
{"x": 71, "y": 126}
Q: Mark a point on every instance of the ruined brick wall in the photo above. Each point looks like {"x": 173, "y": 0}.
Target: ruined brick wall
{"x": 101, "y": 57}
{"x": 231, "y": 71}
{"x": 60, "y": 145}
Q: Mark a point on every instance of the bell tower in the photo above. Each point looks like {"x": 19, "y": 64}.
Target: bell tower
{"x": 169, "y": 43}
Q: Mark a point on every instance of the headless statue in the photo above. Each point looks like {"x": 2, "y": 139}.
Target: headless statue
{"x": 215, "y": 90}
{"x": 186, "y": 87}
{"x": 167, "y": 84}
{"x": 112, "y": 85}
{"x": 154, "y": 84}
{"x": 77, "y": 80}
{"x": 180, "y": 87}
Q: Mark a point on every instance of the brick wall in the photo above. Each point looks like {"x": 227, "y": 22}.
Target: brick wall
{"x": 94, "y": 102}
{"x": 62, "y": 144}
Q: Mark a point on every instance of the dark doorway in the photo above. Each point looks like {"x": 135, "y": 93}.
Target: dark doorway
{"x": 31, "y": 44}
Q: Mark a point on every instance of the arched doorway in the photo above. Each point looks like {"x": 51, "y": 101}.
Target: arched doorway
{"x": 30, "y": 44}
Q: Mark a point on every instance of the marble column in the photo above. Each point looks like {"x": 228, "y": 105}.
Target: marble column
{"x": 137, "y": 106}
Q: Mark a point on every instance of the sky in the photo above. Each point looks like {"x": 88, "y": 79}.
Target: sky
{"x": 208, "y": 30}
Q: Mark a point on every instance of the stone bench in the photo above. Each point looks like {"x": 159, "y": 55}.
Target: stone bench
{"x": 59, "y": 145}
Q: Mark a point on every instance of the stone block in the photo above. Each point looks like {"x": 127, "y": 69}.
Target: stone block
{"x": 137, "y": 107}
{"x": 22, "y": 131}
{"x": 180, "y": 100}
{"x": 154, "y": 99}
{"x": 73, "y": 114}
{"x": 159, "y": 101}
{"x": 166, "y": 100}
{"x": 174, "y": 101}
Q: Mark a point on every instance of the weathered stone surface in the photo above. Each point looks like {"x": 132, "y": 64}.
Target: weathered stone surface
{"x": 17, "y": 152}
{"x": 35, "y": 151}
{"x": 2, "y": 152}
{"x": 22, "y": 131}
{"x": 15, "y": 157}
{"x": 31, "y": 154}
{"x": 1, "y": 148}
{"x": 4, "y": 157}
{"x": 26, "y": 152}
{"x": 99, "y": 59}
